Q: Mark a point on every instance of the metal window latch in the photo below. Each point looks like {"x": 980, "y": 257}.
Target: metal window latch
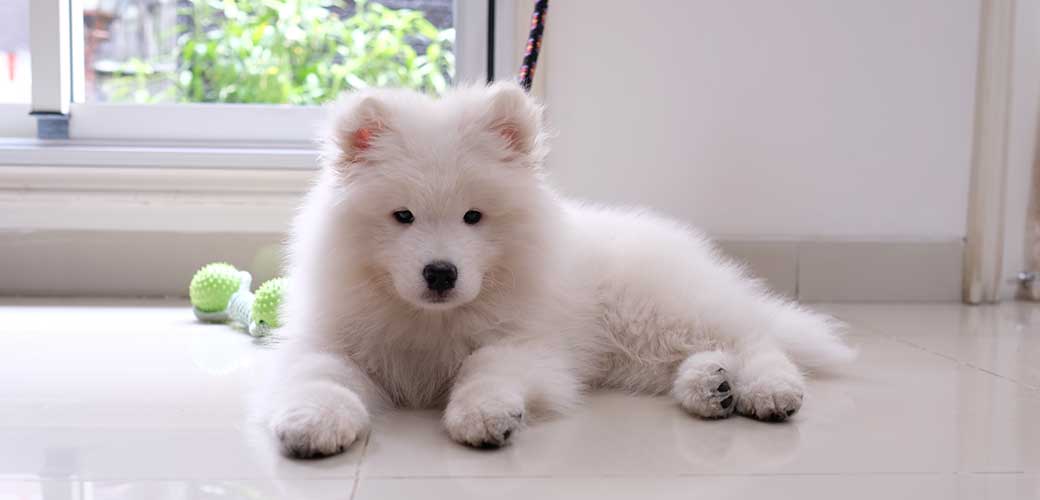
{"x": 51, "y": 125}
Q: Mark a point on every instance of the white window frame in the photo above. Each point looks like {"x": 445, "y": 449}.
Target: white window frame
{"x": 57, "y": 68}
{"x": 50, "y": 36}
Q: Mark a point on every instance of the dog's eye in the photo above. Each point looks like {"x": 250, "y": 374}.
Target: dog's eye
{"x": 472, "y": 217}
{"x": 404, "y": 216}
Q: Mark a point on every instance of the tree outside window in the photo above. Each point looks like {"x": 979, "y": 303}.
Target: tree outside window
{"x": 263, "y": 51}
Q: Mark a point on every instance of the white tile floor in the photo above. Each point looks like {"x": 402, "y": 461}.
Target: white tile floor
{"x": 134, "y": 400}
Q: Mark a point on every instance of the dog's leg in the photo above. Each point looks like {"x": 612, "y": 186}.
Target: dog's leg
{"x": 704, "y": 386}
{"x": 764, "y": 337}
{"x": 319, "y": 404}
{"x": 768, "y": 385}
{"x": 501, "y": 387}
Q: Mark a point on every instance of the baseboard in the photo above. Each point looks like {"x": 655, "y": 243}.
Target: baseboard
{"x": 160, "y": 263}
{"x": 820, "y": 270}
{"x": 125, "y": 263}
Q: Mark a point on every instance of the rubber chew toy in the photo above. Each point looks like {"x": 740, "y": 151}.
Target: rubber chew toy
{"x": 268, "y": 300}
{"x": 219, "y": 293}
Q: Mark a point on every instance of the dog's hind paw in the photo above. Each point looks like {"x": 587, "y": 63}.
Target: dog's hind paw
{"x": 770, "y": 400}
{"x": 703, "y": 387}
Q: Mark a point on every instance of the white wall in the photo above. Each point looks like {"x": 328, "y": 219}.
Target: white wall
{"x": 793, "y": 118}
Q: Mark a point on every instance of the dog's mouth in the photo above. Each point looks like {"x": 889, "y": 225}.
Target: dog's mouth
{"x": 440, "y": 298}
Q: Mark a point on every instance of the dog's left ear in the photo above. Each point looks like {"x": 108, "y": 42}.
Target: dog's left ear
{"x": 517, "y": 119}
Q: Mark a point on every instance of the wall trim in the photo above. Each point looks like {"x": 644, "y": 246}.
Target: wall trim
{"x": 984, "y": 249}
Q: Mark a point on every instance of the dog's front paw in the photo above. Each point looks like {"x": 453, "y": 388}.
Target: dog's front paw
{"x": 316, "y": 428}
{"x": 484, "y": 420}
{"x": 771, "y": 400}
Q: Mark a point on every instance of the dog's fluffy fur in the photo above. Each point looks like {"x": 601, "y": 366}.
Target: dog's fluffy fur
{"x": 552, "y": 297}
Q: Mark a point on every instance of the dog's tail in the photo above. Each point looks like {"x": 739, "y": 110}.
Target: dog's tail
{"x": 815, "y": 342}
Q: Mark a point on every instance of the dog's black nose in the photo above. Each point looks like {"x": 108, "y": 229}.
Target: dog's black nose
{"x": 440, "y": 276}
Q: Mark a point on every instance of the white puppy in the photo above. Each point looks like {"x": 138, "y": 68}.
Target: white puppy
{"x": 431, "y": 265}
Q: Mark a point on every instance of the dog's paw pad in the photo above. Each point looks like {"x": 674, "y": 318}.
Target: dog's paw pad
{"x": 704, "y": 391}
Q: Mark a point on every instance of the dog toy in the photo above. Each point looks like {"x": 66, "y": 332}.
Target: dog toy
{"x": 219, "y": 292}
{"x": 268, "y": 300}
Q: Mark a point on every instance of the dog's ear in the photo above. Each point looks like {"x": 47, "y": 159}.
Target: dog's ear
{"x": 517, "y": 119}
{"x": 360, "y": 120}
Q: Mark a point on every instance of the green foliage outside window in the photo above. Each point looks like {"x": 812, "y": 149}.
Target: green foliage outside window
{"x": 291, "y": 52}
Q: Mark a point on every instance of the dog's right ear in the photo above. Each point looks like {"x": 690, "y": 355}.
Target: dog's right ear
{"x": 360, "y": 121}
{"x": 517, "y": 121}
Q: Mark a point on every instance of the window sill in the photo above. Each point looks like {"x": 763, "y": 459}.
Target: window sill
{"x": 84, "y": 153}
{"x": 78, "y": 185}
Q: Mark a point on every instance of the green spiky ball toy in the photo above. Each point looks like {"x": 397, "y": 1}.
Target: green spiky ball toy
{"x": 213, "y": 285}
{"x": 219, "y": 293}
{"x": 268, "y": 300}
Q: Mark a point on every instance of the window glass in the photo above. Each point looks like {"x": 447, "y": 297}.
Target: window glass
{"x": 263, "y": 51}
{"x": 15, "y": 77}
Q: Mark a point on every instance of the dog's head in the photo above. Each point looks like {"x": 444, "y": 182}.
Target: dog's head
{"x": 441, "y": 196}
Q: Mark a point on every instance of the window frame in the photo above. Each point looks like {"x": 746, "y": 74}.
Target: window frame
{"x": 56, "y": 31}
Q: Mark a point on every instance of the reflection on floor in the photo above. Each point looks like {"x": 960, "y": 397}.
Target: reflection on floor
{"x": 134, "y": 400}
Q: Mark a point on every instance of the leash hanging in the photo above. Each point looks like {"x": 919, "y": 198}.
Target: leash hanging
{"x": 534, "y": 44}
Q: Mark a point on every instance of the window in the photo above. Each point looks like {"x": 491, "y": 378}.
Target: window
{"x": 302, "y": 52}
{"x": 15, "y": 78}
{"x": 15, "y": 75}
{"x": 243, "y": 73}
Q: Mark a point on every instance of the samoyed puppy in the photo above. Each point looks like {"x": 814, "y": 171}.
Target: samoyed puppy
{"x": 432, "y": 266}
